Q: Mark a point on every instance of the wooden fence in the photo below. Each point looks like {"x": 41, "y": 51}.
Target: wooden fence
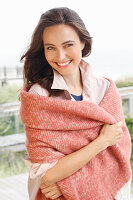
{"x": 127, "y": 100}
{"x": 10, "y": 74}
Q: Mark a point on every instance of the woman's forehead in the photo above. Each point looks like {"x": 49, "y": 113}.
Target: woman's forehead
{"x": 60, "y": 32}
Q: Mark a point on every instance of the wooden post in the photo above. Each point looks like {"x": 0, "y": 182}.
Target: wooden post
{"x": 17, "y": 69}
{"x": 131, "y": 106}
{"x": 16, "y": 123}
{"x": 5, "y": 76}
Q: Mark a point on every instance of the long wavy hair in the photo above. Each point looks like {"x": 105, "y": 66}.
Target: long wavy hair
{"x": 36, "y": 68}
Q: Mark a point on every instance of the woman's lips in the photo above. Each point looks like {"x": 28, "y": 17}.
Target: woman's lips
{"x": 64, "y": 64}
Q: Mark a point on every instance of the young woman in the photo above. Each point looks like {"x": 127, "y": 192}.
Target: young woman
{"x": 77, "y": 140}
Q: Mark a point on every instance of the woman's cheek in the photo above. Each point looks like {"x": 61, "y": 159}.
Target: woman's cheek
{"x": 48, "y": 56}
{"x": 73, "y": 53}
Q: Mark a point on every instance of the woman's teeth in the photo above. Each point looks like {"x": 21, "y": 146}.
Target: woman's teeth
{"x": 63, "y": 64}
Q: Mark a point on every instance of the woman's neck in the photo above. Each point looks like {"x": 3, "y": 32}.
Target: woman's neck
{"x": 74, "y": 82}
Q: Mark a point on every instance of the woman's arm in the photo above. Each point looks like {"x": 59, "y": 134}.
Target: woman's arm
{"x": 66, "y": 166}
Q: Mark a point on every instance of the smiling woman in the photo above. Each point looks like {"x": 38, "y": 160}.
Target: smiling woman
{"x": 74, "y": 123}
{"x": 59, "y": 50}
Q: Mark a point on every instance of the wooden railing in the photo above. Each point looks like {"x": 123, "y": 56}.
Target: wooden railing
{"x": 10, "y": 73}
{"x": 127, "y": 99}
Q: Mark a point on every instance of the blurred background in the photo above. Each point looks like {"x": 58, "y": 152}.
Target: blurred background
{"x": 110, "y": 25}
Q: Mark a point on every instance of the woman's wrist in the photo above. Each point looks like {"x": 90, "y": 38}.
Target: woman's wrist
{"x": 103, "y": 144}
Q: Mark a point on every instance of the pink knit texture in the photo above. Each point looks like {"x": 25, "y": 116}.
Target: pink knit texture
{"x": 55, "y": 128}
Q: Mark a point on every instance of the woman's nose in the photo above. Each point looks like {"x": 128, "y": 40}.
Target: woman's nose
{"x": 60, "y": 54}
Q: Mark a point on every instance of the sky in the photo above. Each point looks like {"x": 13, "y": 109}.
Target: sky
{"x": 108, "y": 21}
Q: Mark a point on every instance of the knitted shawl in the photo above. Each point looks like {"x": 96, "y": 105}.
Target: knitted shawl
{"x": 55, "y": 128}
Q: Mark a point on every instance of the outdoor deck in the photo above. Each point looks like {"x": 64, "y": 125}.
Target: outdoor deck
{"x": 14, "y": 187}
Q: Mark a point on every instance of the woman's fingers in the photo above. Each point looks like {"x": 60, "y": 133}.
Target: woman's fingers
{"x": 55, "y": 196}
{"x": 49, "y": 194}
{"x": 52, "y": 191}
{"x": 111, "y": 134}
{"x": 52, "y": 195}
{"x": 46, "y": 189}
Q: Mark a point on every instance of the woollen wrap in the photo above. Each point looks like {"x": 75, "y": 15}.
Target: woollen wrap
{"x": 55, "y": 128}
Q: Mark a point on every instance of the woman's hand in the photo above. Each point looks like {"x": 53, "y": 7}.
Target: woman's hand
{"x": 111, "y": 134}
{"x": 51, "y": 192}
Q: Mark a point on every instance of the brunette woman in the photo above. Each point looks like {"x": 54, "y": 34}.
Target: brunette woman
{"x": 54, "y": 71}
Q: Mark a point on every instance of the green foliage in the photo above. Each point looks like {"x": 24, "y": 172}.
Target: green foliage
{"x": 125, "y": 82}
{"x": 12, "y": 163}
{"x": 7, "y": 126}
{"x": 9, "y": 94}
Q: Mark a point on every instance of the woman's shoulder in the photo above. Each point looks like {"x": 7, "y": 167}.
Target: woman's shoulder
{"x": 37, "y": 89}
{"x": 100, "y": 86}
{"x": 101, "y": 83}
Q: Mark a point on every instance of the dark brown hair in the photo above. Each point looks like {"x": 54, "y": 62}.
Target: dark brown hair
{"x": 36, "y": 67}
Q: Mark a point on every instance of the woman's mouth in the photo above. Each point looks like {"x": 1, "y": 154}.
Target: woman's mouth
{"x": 63, "y": 64}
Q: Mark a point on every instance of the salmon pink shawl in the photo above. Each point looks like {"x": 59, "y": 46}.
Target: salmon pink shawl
{"x": 55, "y": 128}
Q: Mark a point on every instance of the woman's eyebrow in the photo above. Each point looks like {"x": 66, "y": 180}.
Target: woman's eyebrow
{"x": 49, "y": 44}
{"x": 69, "y": 41}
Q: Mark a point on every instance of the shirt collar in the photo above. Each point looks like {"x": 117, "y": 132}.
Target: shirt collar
{"x": 58, "y": 82}
{"x": 86, "y": 74}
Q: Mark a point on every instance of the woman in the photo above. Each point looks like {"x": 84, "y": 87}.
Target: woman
{"x": 75, "y": 128}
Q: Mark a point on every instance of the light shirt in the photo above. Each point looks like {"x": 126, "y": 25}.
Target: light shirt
{"x": 94, "y": 88}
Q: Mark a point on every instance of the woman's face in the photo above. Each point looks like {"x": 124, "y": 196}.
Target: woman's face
{"x": 63, "y": 48}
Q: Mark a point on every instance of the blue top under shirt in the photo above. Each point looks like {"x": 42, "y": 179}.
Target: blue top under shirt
{"x": 77, "y": 98}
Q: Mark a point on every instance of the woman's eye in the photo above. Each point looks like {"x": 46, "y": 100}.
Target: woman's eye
{"x": 68, "y": 45}
{"x": 50, "y": 48}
